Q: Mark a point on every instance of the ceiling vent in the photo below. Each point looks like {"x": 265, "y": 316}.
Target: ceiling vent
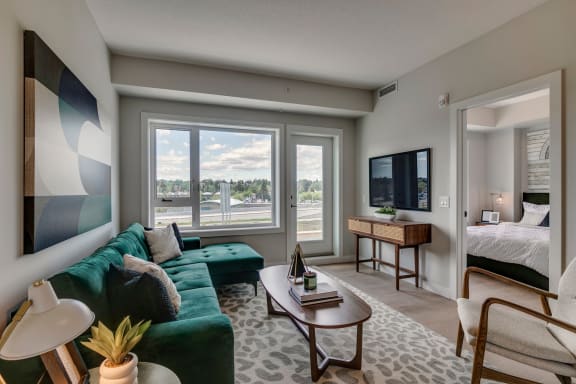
{"x": 387, "y": 89}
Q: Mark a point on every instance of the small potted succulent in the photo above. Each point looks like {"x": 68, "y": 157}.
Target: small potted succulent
{"x": 120, "y": 365}
{"x": 387, "y": 213}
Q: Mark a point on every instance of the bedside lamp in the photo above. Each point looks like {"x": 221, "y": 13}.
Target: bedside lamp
{"x": 499, "y": 199}
{"x": 45, "y": 326}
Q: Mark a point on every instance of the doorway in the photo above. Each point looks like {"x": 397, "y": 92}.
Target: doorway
{"x": 311, "y": 194}
{"x": 460, "y": 174}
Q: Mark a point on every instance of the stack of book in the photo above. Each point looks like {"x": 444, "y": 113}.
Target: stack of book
{"x": 324, "y": 293}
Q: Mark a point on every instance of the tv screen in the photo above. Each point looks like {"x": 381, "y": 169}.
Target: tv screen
{"x": 401, "y": 180}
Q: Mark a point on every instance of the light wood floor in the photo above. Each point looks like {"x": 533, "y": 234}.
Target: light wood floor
{"x": 437, "y": 312}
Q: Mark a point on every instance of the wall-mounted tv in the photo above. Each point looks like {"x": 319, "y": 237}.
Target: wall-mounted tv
{"x": 401, "y": 180}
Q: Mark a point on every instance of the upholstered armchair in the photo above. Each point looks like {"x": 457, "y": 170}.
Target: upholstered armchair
{"x": 545, "y": 340}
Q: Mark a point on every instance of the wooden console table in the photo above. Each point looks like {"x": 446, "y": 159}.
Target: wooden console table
{"x": 403, "y": 234}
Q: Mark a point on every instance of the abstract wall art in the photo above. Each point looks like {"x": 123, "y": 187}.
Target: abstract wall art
{"x": 67, "y": 150}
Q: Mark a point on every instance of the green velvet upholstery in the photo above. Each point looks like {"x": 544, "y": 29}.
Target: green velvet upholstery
{"x": 198, "y": 302}
{"x": 191, "y": 243}
{"x": 193, "y": 276}
{"x": 199, "y": 345}
{"x": 228, "y": 263}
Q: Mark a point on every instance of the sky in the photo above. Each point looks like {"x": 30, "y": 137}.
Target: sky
{"x": 227, "y": 155}
{"x": 223, "y": 155}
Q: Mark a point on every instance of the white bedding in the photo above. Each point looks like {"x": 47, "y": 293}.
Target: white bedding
{"x": 512, "y": 243}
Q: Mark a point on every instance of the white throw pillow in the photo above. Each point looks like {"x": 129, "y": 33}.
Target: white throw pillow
{"x": 163, "y": 244}
{"x": 534, "y": 214}
{"x": 143, "y": 266}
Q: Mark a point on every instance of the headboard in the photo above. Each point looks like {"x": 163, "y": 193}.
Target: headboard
{"x": 537, "y": 198}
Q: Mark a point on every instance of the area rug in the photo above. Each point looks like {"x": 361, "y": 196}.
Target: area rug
{"x": 397, "y": 350}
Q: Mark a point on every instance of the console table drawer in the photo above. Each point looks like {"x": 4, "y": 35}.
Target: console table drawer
{"x": 360, "y": 226}
{"x": 389, "y": 232}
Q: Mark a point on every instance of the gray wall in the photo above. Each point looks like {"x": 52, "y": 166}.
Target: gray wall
{"x": 271, "y": 246}
{"x": 500, "y": 155}
{"x": 536, "y": 43}
{"x": 68, "y": 28}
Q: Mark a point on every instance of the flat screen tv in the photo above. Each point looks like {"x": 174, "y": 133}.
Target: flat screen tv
{"x": 401, "y": 180}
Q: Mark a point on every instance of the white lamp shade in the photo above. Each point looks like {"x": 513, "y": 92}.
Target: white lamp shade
{"x": 48, "y": 324}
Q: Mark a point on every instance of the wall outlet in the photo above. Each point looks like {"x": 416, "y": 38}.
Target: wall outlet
{"x": 444, "y": 201}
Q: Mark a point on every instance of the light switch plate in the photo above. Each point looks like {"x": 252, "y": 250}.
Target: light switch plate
{"x": 444, "y": 201}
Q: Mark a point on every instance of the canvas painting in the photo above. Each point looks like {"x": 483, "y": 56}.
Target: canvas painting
{"x": 67, "y": 165}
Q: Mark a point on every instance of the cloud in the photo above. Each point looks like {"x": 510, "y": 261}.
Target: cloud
{"x": 163, "y": 132}
{"x": 252, "y": 157}
{"x": 309, "y": 162}
{"x": 173, "y": 166}
{"x": 215, "y": 147}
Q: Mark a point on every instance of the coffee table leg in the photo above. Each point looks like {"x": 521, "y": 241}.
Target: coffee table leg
{"x": 270, "y": 307}
{"x": 317, "y": 370}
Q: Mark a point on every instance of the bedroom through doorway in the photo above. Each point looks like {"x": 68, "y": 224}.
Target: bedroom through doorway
{"x": 508, "y": 213}
{"x": 508, "y": 191}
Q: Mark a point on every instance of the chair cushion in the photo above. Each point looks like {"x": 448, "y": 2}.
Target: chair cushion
{"x": 221, "y": 258}
{"x": 139, "y": 265}
{"x": 514, "y": 331}
{"x": 565, "y": 308}
{"x": 138, "y": 295}
{"x": 547, "y": 365}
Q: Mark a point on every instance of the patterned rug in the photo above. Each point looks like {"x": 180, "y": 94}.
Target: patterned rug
{"x": 397, "y": 350}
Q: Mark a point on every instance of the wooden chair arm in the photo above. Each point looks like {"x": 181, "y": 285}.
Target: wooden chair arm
{"x": 544, "y": 295}
{"x": 483, "y": 326}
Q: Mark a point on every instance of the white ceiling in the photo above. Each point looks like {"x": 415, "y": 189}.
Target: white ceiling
{"x": 360, "y": 43}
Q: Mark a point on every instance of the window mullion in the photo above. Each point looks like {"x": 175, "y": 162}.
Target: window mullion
{"x": 195, "y": 175}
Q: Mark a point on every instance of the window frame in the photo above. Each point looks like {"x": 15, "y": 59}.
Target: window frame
{"x": 150, "y": 200}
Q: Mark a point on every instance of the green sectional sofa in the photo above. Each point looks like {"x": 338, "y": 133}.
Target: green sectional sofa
{"x": 199, "y": 345}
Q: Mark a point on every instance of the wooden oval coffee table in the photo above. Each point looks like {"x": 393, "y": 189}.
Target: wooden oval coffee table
{"x": 352, "y": 311}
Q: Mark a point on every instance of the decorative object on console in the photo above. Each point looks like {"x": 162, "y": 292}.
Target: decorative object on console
{"x": 297, "y": 266}
{"x": 67, "y": 147}
{"x": 46, "y": 326}
{"x": 388, "y": 213}
{"x": 120, "y": 365}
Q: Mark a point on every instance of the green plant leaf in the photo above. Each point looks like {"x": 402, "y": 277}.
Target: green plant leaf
{"x": 114, "y": 346}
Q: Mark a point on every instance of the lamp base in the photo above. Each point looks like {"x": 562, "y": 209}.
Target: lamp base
{"x": 65, "y": 365}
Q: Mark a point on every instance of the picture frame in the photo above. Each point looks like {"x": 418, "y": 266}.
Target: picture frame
{"x": 486, "y": 216}
{"x": 494, "y": 217}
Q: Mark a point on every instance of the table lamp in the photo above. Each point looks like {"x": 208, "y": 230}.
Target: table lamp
{"x": 46, "y": 326}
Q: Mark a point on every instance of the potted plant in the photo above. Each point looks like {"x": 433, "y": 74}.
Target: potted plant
{"x": 386, "y": 213}
{"x": 120, "y": 365}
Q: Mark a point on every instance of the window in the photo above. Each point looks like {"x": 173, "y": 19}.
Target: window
{"x": 212, "y": 176}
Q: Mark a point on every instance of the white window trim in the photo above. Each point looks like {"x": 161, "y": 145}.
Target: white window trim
{"x": 277, "y": 170}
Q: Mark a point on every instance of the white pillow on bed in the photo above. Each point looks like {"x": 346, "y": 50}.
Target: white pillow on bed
{"x": 534, "y": 214}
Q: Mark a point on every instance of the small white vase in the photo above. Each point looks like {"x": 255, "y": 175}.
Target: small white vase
{"x": 384, "y": 216}
{"x": 123, "y": 374}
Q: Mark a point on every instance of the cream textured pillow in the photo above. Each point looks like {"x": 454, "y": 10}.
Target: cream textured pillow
{"x": 136, "y": 264}
{"x": 163, "y": 244}
{"x": 534, "y": 214}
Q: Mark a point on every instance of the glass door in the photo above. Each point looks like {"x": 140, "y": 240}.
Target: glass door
{"x": 310, "y": 199}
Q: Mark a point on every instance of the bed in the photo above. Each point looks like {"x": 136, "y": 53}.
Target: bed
{"x": 511, "y": 249}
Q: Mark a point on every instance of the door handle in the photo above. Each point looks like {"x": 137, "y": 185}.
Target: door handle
{"x": 293, "y": 206}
